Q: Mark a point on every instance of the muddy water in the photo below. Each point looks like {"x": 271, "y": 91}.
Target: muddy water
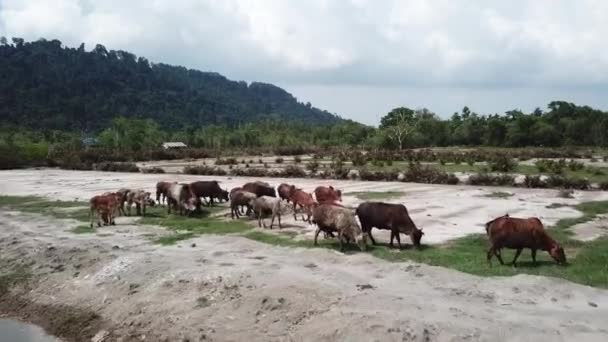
{"x": 15, "y": 331}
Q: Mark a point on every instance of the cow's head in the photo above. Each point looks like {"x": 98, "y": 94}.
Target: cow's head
{"x": 224, "y": 195}
{"x": 339, "y": 195}
{"x": 557, "y": 253}
{"x": 361, "y": 239}
{"x": 416, "y": 236}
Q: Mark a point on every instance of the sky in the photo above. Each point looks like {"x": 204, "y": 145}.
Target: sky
{"x": 356, "y": 58}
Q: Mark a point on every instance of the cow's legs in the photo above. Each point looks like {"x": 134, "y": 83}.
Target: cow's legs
{"x": 340, "y": 237}
{"x": 398, "y": 239}
{"x": 317, "y": 235}
{"x": 534, "y": 256}
{"x": 516, "y": 256}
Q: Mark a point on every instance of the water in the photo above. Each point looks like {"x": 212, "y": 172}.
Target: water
{"x": 15, "y": 331}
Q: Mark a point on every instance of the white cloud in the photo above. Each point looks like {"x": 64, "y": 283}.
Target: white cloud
{"x": 396, "y": 43}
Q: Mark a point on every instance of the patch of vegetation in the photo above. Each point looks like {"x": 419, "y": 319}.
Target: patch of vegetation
{"x": 12, "y": 275}
{"x": 155, "y": 170}
{"x": 491, "y": 179}
{"x": 204, "y": 170}
{"x": 502, "y": 163}
{"x": 83, "y": 229}
{"x": 173, "y": 238}
{"x": 60, "y": 209}
{"x": 116, "y": 167}
{"x": 376, "y": 195}
{"x": 499, "y": 194}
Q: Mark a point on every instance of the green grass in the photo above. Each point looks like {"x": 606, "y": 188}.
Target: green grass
{"x": 499, "y": 194}
{"x": 588, "y": 261}
{"x": 59, "y": 209}
{"x": 376, "y": 195}
{"x": 83, "y": 229}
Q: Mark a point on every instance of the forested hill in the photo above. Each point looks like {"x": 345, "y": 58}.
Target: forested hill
{"x": 46, "y": 85}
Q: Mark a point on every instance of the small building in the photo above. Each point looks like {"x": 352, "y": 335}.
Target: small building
{"x": 174, "y": 145}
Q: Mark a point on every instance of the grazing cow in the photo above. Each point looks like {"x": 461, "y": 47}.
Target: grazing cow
{"x": 241, "y": 198}
{"x": 209, "y": 189}
{"x": 162, "y": 189}
{"x": 306, "y": 203}
{"x": 267, "y": 205}
{"x": 260, "y": 189}
{"x": 141, "y": 199}
{"x": 123, "y": 199}
{"x": 285, "y": 191}
{"x": 517, "y": 233}
{"x": 393, "y": 217}
{"x": 327, "y": 194}
{"x": 104, "y": 207}
{"x": 181, "y": 198}
{"x": 330, "y": 218}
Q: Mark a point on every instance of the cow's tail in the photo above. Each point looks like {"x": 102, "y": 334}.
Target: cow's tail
{"x": 314, "y": 196}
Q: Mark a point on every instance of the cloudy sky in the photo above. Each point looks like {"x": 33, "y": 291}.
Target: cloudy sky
{"x": 357, "y": 58}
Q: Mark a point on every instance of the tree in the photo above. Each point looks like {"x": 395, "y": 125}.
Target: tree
{"x": 398, "y": 125}
{"x": 3, "y": 40}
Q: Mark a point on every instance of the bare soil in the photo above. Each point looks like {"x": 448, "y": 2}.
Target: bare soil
{"x": 228, "y": 288}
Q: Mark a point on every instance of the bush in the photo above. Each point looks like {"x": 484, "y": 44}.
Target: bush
{"x": 389, "y": 162}
{"x": 441, "y": 161}
{"x": 427, "y": 174}
{"x": 116, "y": 167}
{"x": 152, "y": 170}
{"x": 490, "y": 179}
{"x": 555, "y": 181}
{"x": 292, "y": 171}
{"x": 279, "y": 160}
{"x": 251, "y": 172}
{"x": 575, "y": 165}
{"x": 534, "y": 182}
{"x": 502, "y": 163}
{"x": 297, "y": 159}
{"x": 204, "y": 170}
{"x": 551, "y": 166}
{"x": 289, "y": 150}
{"x": 389, "y": 175}
{"x": 260, "y": 161}
{"x": 596, "y": 171}
{"x": 227, "y": 161}
{"x": 359, "y": 159}
{"x": 604, "y": 185}
{"x": 378, "y": 163}
{"x": 312, "y": 166}
{"x": 565, "y": 193}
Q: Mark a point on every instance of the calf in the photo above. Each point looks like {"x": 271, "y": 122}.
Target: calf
{"x": 393, "y": 217}
{"x": 330, "y": 218}
{"x": 285, "y": 191}
{"x": 260, "y": 189}
{"x": 102, "y": 207}
{"x": 181, "y": 198}
{"x": 327, "y": 194}
{"x": 517, "y": 233}
{"x": 162, "y": 189}
{"x": 241, "y": 198}
{"x": 305, "y": 201}
{"x": 123, "y": 199}
{"x": 209, "y": 189}
{"x": 267, "y": 205}
{"x": 141, "y": 199}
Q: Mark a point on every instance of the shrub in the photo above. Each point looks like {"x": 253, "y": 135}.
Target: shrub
{"x": 260, "y": 161}
{"x": 427, "y": 174}
{"x": 279, "y": 160}
{"x": 551, "y": 166}
{"x": 575, "y": 165}
{"x": 247, "y": 165}
{"x": 152, "y": 170}
{"x": 251, "y": 172}
{"x": 266, "y": 165}
{"x": 116, "y": 167}
{"x": 555, "y": 181}
{"x": 492, "y": 180}
{"x": 565, "y": 193}
{"x": 378, "y": 163}
{"x": 204, "y": 170}
{"x": 534, "y": 182}
{"x": 596, "y": 171}
{"x": 471, "y": 161}
{"x": 603, "y": 185}
{"x": 441, "y": 161}
{"x": 502, "y": 163}
{"x": 290, "y": 150}
{"x": 292, "y": 171}
{"x": 359, "y": 159}
{"x": 297, "y": 159}
{"x": 606, "y": 158}
{"x": 389, "y": 162}
{"x": 227, "y": 161}
{"x": 312, "y": 166}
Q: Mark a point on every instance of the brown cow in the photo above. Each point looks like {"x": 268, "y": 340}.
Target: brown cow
{"x": 241, "y": 198}
{"x": 104, "y": 206}
{"x": 141, "y": 199}
{"x": 260, "y": 189}
{"x": 162, "y": 189}
{"x": 327, "y": 194}
{"x": 285, "y": 191}
{"x": 305, "y": 201}
{"x": 517, "y": 233}
{"x": 331, "y": 218}
{"x": 393, "y": 217}
{"x": 209, "y": 189}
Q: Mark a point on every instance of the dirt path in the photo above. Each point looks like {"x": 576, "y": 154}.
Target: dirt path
{"x": 232, "y": 289}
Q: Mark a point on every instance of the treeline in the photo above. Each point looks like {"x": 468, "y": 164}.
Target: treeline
{"x": 44, "y": 85}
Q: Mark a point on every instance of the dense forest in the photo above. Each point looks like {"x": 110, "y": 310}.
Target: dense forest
{"x": 44, "y": 85}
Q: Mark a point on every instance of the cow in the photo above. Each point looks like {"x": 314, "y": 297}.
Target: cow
{"x": 330, "y": 218}
{"x": 305, "y": 201}
{"x": 518, "y": 233}
{"x": 324, "y": 194}
{"x": 393, "y": 217}
{"x": 124, "y": 192}
{"x": 209, "y": 189}
{"x": 285, "y": 191}
{"x": 162, "y": 189}
{"x": 241, "y": 198}
{"x": 141, "y": 199}
{"x": 181, "y": 198}
{"x": 104, "y": 207}
{"x": 260, "y": 189}
{"x": 264, "y": 205}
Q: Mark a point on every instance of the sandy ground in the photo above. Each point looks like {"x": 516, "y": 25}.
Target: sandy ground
{"x": 231, "y": 289}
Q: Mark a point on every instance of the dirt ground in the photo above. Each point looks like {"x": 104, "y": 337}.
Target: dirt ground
{"x": 228, "y": 288}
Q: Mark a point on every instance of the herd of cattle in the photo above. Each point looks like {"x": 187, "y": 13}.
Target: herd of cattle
{"x": 322, "y": 207}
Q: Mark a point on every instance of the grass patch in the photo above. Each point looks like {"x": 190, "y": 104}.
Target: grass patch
{"x": 173, "y": 238}
{"x": 59, "y": 209}
{"x": 376, "y": 195}
{"x": 83, "y": 229}
{"x": 499, "y": 194}
{"x": 556, "y": 205}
